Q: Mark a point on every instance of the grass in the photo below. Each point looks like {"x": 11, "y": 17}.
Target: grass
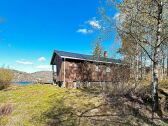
{"x": 42, "y": 105}
{"x": 38, "y": 105}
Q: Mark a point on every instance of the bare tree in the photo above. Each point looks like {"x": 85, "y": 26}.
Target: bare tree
{"x": 145, "y": 23}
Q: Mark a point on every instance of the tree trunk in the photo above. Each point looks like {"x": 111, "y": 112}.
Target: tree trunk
{"x": 137, "y": 63}
{"x": 134, "y": 68}
{"x": 167, "y": 63}
{"x": 163, "y": 68}
{"x": 155, "y": 105}
{"x": 144, "y": 66}
{"x": 156, "y": 59}
{"x": 167, "y": 66}
{"x": 141, "y": 66}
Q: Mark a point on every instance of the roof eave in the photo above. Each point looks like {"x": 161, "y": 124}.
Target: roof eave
{"x": 52, "y": 59}
{"x": 66, "y": 57}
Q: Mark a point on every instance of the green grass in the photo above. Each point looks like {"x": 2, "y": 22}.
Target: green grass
{"x": 38, "y": 105}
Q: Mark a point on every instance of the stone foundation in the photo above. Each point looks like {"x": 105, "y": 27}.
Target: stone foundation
{"x": 102, "y": 85}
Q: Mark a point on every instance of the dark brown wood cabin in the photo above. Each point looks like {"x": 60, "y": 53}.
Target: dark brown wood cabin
{"x": 73, "y": 67}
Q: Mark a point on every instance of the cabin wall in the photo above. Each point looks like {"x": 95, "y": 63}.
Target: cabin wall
{"x": 59, "y": 67}
{"x": 86, "y": 71}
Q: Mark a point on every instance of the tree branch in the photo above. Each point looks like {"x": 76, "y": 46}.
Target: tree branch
{"x": 138, "y": 42}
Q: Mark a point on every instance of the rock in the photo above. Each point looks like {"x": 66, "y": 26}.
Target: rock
{"x": 94, "y": 111}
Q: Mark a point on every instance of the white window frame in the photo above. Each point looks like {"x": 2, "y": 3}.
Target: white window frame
{"x": 97, "y": 68}
{"x": 75, "y": 65}
{"x": 108, "y": 69}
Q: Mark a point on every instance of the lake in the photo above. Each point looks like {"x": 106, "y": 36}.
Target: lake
{"x": 24, "y": 83}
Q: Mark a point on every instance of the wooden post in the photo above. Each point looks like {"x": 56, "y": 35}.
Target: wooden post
{"x": 53, "y": 73}
{"x": 64, "y": 74}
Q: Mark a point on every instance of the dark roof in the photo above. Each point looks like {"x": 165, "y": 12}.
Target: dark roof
{"x": 76, "y": 56}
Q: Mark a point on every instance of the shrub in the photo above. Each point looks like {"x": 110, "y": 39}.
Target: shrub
{"x": 5, "y": 109}
{"x": 6, "y": 77}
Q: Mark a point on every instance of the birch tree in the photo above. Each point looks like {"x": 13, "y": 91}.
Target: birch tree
{"x": 145, "y": 22}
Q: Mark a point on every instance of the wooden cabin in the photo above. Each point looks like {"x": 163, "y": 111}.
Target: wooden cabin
{"x": 72, "y": 67}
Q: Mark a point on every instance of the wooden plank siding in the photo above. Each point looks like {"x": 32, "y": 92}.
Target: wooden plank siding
{"x": 83, "y": 68}
{"x": 58, "y": 62}
{"x": 86, "y": 71}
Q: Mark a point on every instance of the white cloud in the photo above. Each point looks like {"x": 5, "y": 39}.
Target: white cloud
{"x": 84, "y": 31}
{"x": 47, "y": 67}
{"x": 90, "y": 26}
{"x": 94, "y": 23}
{"x": 24, "y": 62}
{"x": 42, "y": 59}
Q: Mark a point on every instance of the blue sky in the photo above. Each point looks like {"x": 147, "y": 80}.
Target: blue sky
{"x": 31, "y": 29}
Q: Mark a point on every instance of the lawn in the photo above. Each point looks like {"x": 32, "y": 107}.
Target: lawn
{"x": 38, "y": 105}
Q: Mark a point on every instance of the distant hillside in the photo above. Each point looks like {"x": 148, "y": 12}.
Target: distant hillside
{"x": 40, "y": 76}
{"x": 43, "y": 76}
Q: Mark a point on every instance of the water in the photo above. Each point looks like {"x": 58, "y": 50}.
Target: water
{"x": 24, "y": 83}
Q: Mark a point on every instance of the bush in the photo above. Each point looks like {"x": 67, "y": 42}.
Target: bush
{"x": 5, "y": 109}
{"x": 6, "y": 77}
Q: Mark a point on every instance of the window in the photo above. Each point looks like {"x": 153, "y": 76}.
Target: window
{"x": 75, "y": 65}
{"x": 108, "y": 70}
{"x": 97, "y": 68}
{"x": 54, "y": 68}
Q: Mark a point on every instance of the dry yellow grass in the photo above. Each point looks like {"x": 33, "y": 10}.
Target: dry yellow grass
{"x": 33, "y": 105}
